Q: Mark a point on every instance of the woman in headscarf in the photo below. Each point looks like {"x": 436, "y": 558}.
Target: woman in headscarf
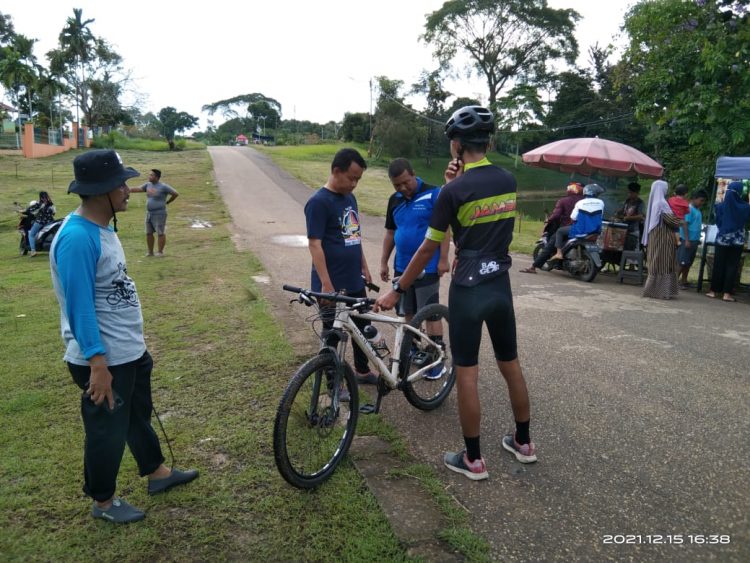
{"x": 659, "y": 240}
{"x": 731, "y": 217}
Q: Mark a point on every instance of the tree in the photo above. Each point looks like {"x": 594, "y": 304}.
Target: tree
{"x": 92, "y": 69}
{"x": 173, "y": 122}
{"x": 689, "y": 67}
{"x": 19, "y": 71}
{"x": 395, "y": 131}
{"x": 520, "y": 109}
{"x": 504, "y": 39}
{"x": 77, "y": 41}
{"x": 430, "y": 83}
{"x": 356, "y": 127}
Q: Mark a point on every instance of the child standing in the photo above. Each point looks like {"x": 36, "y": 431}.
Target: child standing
{"x": 679, "y": 205}
{"x": 690, "y": 236}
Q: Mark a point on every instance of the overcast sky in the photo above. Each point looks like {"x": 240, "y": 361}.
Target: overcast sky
{"x": 314, "y": 57}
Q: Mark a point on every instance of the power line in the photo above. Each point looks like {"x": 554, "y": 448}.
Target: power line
{"x": 602, "y": 121}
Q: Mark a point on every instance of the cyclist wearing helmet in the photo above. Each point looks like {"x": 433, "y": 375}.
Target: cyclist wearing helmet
{"x": 478, "y": 203}
{"x": 587, "y": 219}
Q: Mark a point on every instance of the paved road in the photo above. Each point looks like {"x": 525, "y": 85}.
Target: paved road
{"x": 639, "y": 407}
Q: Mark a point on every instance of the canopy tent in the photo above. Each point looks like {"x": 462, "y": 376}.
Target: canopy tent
{"x": 733, "y": 167}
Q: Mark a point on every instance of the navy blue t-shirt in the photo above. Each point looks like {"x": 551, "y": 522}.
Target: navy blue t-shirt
{"x": 409, "y": 219}
{"x": 334, "y": 220}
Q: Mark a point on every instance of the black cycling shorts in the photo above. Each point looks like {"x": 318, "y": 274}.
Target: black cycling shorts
{"x": 490, "y": 302}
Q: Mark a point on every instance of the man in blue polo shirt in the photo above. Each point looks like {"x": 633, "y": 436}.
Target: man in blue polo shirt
{"x": 406, "y": 222}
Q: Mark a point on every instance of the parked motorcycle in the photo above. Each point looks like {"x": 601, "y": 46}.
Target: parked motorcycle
{"x": 44, "y": 236}
{"x": 581, "y": 257}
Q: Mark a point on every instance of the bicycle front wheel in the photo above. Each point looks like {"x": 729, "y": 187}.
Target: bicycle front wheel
{"x": 311, "y": 435}
{"x": 428, "y": 392}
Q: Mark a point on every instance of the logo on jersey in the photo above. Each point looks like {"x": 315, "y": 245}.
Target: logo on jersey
{"x": 494, "y": 208}
{"x": 350, "y": 227}
{"x": 488, "y": 268}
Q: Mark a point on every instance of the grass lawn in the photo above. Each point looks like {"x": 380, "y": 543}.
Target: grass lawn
{"x": 311, "y": 164}
{"x": 221, "y": 362}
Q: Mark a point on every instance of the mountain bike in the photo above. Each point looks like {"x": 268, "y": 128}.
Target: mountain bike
{"x": 317, "y": 415}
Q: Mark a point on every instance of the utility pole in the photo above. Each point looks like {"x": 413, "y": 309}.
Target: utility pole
{"x": 369, "y": 149}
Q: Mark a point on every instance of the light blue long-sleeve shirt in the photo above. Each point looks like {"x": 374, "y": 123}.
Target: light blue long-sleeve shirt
{"x": 99, "y": 308}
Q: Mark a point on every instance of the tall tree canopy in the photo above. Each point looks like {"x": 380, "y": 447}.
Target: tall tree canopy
{"x": 430, "y": 84}
{"x": 19, "y": 70}
{"x": 173, "y": 121}
{"x": 256, "y": 107}
{"x": 92, "y": 69}
{"x": 504, "y": 39}
{"x": 396, "y": 131}
{"x": 689, "y": 66}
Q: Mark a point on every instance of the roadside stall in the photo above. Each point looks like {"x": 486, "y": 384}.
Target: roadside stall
{"x": 589, "y": 156}
{"x": 728, "y": 169}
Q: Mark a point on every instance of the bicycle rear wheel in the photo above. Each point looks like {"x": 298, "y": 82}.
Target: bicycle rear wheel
{"x": 310, "y": 435}
{"x": 429, "y": 392}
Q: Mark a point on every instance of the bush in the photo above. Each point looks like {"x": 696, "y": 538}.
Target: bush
{"x": 116, "y": 140}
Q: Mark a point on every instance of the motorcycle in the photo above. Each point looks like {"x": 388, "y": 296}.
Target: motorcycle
{"x": 581, "y": 257}
{"x": 43, "y": 237}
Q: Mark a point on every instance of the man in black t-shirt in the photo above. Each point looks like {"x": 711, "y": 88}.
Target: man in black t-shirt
{"x": 478, "y": 203}
{"x": 335, "y": 242}
{"x": 632, "y": 213}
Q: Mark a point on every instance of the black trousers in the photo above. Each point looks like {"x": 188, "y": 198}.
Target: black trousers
{"x": 561, "y": 237}
{"x": 107, "y": 434}
{"x": 726, "y": 265}
{"x": 546, "y": 253}
{"x": 328, "y": 315}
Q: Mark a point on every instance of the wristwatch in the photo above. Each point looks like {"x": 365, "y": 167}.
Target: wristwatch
{"x": 397, "y": 287}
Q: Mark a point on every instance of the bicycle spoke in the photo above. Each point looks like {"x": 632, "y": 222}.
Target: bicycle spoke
{"x": 311, "y": 435}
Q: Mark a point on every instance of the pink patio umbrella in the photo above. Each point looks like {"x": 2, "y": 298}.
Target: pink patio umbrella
{"x": 587, "y": 155}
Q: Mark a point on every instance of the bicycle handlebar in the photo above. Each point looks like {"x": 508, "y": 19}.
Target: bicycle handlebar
{"x": 336, "y": 297}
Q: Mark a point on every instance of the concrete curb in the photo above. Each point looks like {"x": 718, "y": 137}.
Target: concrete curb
{"x": 411, "y": 510}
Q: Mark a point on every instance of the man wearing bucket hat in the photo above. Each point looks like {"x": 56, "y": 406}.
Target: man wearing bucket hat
{"x": 102, "y": 327}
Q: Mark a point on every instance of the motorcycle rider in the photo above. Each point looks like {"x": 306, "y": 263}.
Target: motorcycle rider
{"x": 560, "y": 217}
{"x": 587, "y": 219}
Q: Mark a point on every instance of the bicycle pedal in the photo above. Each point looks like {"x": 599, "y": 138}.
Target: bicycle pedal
{"x": 420, "y": 359}
{"x": 368, "y": 408}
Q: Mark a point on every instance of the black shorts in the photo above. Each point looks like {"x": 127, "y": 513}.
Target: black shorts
{"x": 422, "y": 292}
{"x": 488, "y": 303}
{"x": 685, "y": 255}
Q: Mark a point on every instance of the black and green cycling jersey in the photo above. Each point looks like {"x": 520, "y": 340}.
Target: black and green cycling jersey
{"x": 480, "y": 208}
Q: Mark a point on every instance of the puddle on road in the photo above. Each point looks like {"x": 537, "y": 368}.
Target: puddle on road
{"x": 299, "y": 241}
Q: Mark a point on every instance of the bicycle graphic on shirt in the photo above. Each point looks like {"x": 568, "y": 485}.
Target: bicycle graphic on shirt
{"x": 124, "y": 289}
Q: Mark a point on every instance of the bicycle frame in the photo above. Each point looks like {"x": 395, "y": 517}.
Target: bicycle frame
{"x": 344, "y": 321}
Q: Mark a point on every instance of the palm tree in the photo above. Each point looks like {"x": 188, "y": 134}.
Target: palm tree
{"x": 78, "y": 41}
{"x": 19, "y": 70}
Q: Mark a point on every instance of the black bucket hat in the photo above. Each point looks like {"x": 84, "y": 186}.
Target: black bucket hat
{"x": 99, "y": 172}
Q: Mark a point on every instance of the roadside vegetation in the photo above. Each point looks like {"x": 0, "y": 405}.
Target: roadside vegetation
{"x": 119, "y": 141}
{"x": 311, "y": 164}
{"x": 221, "y": 364}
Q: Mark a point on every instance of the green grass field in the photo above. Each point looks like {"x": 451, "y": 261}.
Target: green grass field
{"x": 311, "y": 164}
{"x": 221, "y": 364}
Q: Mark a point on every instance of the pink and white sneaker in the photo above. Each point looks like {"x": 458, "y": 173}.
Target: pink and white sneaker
{"x": 475, "y": 470}
{"x": 525, "y": 453}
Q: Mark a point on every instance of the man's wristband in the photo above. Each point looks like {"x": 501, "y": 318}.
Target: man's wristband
{"x": 397, "y": 287}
